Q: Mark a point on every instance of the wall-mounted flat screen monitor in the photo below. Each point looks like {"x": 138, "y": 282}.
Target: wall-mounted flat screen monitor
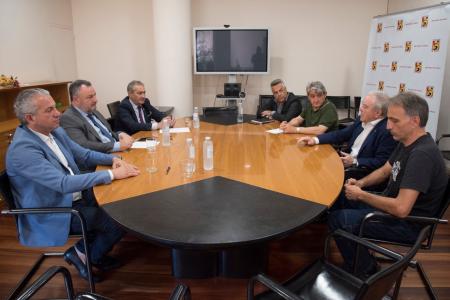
{"x": 231, "y": 51}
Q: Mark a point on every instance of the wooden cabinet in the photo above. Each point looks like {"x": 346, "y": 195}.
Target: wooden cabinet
{"x": 8, "y": 121}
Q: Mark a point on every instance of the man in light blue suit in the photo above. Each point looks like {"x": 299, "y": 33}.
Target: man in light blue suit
{"x": 41, "y": 163}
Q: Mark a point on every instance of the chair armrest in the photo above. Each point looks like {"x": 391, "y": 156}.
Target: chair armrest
{"x": 46, "y": 210}
{"x": 363, "y": 242}
{"x": 181, "y": 291}
{"x": 442, "y": 137}
{"x": 378, "y": 215}
{"x": 272, "y": 285}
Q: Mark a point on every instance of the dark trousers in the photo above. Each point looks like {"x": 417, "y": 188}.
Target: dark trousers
{"x": 102, "y": 232}
{"x": 348, "y": 214}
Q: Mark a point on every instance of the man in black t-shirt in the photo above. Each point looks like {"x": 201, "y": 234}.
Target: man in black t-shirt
{"x": 417, "y": 181}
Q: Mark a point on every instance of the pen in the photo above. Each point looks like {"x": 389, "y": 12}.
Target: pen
{"x": 167, "y": 170}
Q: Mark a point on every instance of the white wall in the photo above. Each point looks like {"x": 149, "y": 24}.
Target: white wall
{"x": 444, "y": 112}
{"x": 310, "y": 40}
{"x": 36, "y": 40}
{"x": 114, "y": 45}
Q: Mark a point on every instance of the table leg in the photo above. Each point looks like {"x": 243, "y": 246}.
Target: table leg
{"x": 243, "y": 262}
{"x": 194, "y": 263}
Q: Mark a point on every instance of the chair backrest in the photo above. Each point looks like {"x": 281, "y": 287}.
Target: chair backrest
{"x": 113, "y": 108}
{"x": 357, "y": 102}
{"x": 376, "y": 286}
{"x": 304, "y": 101}
{"x": 265, "y": 100}
{"x": 341, "y": 102}
{"x": 445, "y": 202}
{"x": 5, "y": 190}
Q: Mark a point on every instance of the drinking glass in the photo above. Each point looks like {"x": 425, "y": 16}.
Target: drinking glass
{"x": 150, "y": 144}
{"x": 187, "y": 167}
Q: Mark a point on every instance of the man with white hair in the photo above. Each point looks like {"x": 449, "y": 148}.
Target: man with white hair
{"x": 368, "y": 142}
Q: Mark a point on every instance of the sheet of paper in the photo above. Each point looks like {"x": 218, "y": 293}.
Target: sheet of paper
{"x": 142, "y": 145}
{"x": 275, "y": 131}
{"x": 177, "y": 130}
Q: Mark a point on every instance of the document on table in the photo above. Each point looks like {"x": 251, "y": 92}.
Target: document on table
{"x": 177, "y": 130}
{"x": 143, "y": 145}
{"x": 275, "y": 131}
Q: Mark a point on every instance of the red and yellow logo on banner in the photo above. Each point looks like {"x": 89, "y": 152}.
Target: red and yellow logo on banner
{"x": 374, "y": 65}
{"x": 408, "y": 46}
{"x": 435, "y": 45}
{"x": 424, "y": 22}
{"x": 399, "y": 24}
{"x": 379, "y": 27}
{"x": 401, "y": 87}
{"x": 380, "y": 85}
{"x": 429, "y": 91}
{"x": 418, "y": 67}
{"x": 386, "y": 47}
{"x": 393, "y": 66}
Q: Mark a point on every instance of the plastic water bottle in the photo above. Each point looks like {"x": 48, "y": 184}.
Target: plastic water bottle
{"x": 240, "y": 112}
{"x": 195, "y": 118}
{"x": 190, "y": 149}
{"x": 208, "y": 154}
{"x": 165, "y": 133}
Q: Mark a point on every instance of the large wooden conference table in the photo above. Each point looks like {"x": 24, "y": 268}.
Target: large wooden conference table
{"x": 219, "y": 222}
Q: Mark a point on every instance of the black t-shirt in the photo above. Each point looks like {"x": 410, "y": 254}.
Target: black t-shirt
{"x": 419, "y": 167}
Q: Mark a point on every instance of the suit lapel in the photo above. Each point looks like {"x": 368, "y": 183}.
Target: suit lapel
{"x": 131, "y": 109}
{"x": 85, "y": 122}
{"x": 357, "y": 132}
{"x": 49, "y": 152}
{"x": 67, "y": 154}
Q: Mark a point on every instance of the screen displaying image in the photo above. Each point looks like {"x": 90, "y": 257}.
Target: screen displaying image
{"x": 231, "y": 51}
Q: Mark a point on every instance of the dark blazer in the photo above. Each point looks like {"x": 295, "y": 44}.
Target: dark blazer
{"x": 127, "y": 120}
{"x": 291, "y": 108}
{"x": 374, "y": 151}
{"x": 82, "y": 132}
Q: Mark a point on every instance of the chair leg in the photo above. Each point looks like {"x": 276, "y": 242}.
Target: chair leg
{"x": 398, "y": 283}
{"x": 426, "y": 281}
{"x": 27, "y": 277}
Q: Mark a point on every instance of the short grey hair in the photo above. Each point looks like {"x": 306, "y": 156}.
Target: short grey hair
{"x": 316, "y": 86}
{"x": 276, "y": 82}
{"x": 24, "y": 103}
{"x": 381, "y": 102}
{"x": 132, "y": 84}
{"x": 413, "y": 104}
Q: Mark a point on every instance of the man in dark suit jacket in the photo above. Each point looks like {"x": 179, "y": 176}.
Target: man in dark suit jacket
{"x": 137, "y": 114}
{"x": 369, "y": 143}
{"x": 86, "y": 126}
{"x": 285, "y": 105}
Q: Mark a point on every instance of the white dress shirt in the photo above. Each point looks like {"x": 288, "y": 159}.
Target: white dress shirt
{"x": 367, "y": 128}
{"x": 50, "y": 142}
{"x": 136, "y": 112}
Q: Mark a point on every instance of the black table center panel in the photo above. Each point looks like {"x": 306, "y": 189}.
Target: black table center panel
{"x": 215, "y": 226}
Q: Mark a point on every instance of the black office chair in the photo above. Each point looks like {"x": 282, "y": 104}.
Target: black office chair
{"x": 7, "y": 196}
{"x": 264, "y": 102}
{"x": 379, "y": 216}
{"x": 342, "y": 103}
{"x": 445, "y": 152}
{"x": 356, "y": 105}
{"x": 180, "y": 292}
{"x": 113, "y": 108}
{"x": 323, "y": 280}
